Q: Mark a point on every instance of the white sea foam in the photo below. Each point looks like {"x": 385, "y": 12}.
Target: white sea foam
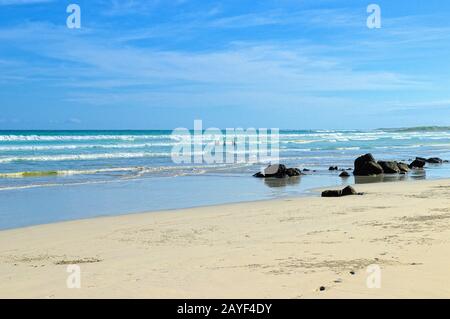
{"x": 80, "y": 146}
{"x": 350, "y": 148}
{"x": 296, "y": 149}
{"x": 25, "y": 138}
{"x": 68, "y": 172}
{"x": 80, "y": 157}
{"x": 136, "y": 170}
{"x": 300, "y": 141}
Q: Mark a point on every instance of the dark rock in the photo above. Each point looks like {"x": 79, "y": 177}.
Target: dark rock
{"x": 293, "y": 172}
{"x": 389, "y": 167}
{"x": 365, "y": 158}
{"x": 368, "y": 169}
{"x": 349, "y": 191}
{"x": 322, "y": 288}
{"x": 352, "y": 272}
{"x": 333, "y": 168}
{"x": 344, "y": 174}
{"x": 332, "y": 193}
{"x": 278, "y": 171}
{"x": 339, "y": 193}
{"x": 259, "y": 175}
{"x": 275, "y": 170}
{"x": 366, "y": 165}
{"x": 403, "y": 167}
{"x": 417, "y": 163}
{"x": 432, "y": 160}
{"x": 435, "y": 160}
{"x": 306, "y": 170}
{"x": 445, "y": 161}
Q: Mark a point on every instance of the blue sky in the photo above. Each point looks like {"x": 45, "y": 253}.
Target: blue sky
{"x": 161, "y": 64}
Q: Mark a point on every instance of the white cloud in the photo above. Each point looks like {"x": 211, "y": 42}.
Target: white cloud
{"x": 289, "y": 72}
{"x": 323, "y": 18}
{"x": 21, "y": 2}
{"x": 294, "y": 67}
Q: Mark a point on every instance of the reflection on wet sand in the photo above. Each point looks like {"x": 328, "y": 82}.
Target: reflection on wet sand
{"x": 415, "y": 175}
{"x": 282, "y": 182}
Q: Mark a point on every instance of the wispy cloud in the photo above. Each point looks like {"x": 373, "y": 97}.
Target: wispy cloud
{"x": 264, "y": 73}
{"x": 22, "y": 2}
{"x": 135, "y": 7}
{"x": 280, "y": 67}
{"x": 126, "y": 7}
{"x": 324, "y": 18}
{"x": 182, "y": 61}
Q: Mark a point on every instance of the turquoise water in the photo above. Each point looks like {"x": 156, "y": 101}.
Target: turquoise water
{"x": 48, "y": 176}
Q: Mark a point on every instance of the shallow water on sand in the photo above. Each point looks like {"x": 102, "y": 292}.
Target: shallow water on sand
{"x": 54, "y": 176}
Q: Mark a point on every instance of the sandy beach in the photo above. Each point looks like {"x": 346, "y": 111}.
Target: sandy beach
{"x": 286, "y": 248}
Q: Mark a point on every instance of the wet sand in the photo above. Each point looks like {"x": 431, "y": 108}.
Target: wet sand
{"x": 286, "y": 248}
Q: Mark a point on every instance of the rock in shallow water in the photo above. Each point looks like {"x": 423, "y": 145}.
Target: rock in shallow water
{"x": 389, "y": 167}
{"x": 278, "y": 171}
{"x": 431, "y": 160}
{"x": 275, "y": 170}
{"x": 435, "y": 160}
{"x": 293, "y": 172}
{"x": 417, "y": 163}
{"x": 366, "y": 165}
{"x": 403, "y": 167}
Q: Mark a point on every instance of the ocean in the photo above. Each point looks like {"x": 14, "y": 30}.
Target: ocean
{"x": 51, "y": 176}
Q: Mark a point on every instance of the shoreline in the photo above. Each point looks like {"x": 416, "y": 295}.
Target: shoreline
{"x": 311, "y": 192}
{"x": 282, "y": 248}
{"x": 307, "y": 193}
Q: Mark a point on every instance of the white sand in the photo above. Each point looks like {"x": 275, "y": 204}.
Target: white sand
{"x": 275, "y": 249}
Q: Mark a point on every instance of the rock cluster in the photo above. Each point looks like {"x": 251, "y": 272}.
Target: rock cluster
{"x": 278, "y": 171}
{"x": 420, "y": 162}
{"x": 366, "y": 165}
